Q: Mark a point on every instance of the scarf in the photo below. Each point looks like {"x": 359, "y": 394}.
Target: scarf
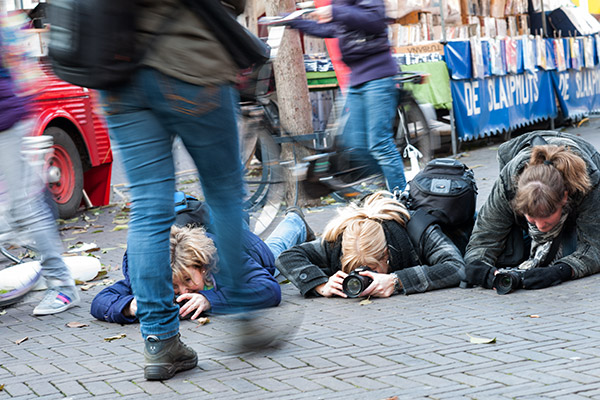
{"x": 541, "y": 243}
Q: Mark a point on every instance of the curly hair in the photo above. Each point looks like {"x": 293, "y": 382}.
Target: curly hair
{"x": 363, "y": 239}
{"x": 190, "y": 247}
{"x": 552, "y": 170}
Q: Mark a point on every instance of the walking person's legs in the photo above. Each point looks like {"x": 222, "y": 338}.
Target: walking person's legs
{"x": 144, "y": 144}
{"x": 29, "y": 215}
{"x": 381, "y": 101}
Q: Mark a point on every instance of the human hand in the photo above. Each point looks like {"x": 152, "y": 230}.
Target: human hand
{"x": 322, "y": 14}
{"x": 539, "y": 278}
{"x": 333, "y": 287}
{"x": 131, "y": 309}
{"x": 195, "y": 301}
{"x": 383, "y": 285}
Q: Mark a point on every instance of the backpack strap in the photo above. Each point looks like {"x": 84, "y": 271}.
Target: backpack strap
{"x": 419, "y": 221}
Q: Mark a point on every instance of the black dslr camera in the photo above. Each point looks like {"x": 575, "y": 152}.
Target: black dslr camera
{"x": 354, "y": 284}
{"x": 508, "y": 280}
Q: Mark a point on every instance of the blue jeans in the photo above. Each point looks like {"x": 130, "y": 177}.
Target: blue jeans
{"x": 27, "y": 213}
{"x": 143, "y": 117}
{"x": 290, "y": 232}
{"x": 369, "y": 129}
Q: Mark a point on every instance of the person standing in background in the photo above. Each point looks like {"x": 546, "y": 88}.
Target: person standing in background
{"x": 360, "y": 26}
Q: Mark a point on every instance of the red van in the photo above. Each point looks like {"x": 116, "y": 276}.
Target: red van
{"x": 79, "y": 169}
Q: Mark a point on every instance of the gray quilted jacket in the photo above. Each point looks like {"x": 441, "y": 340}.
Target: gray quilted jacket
{"x": 496, "y": 216}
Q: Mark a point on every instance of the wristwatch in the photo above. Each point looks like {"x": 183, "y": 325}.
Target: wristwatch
{"x": 397, "y": 284}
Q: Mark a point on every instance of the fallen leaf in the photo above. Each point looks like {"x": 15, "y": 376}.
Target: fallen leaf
{"x": 480, "y": 340}
{"x": 85, "y": 247}
{"x": 533, "y": 316}
{"x": 111, "y": 338}
{"x": 123, "y": 246}
{"x": 391, "y": 398}
{"x": 77, "y": 232}
{"x": 21, "y": 340}
{"x": 85, "y": 287}
{"x": 203, "y": 320}
{"x": 100, "y": 274}
{"x": 2, "y": 312}
{"x": 1, "y": 387}
{"x": 120, "y": 228}
{"x": 98, "y": 231}
{"x": 75, "y": 324}
{"x": 366, "y": 301}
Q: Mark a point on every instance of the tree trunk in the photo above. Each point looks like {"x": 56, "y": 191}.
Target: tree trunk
{"x": 295, "y": 110}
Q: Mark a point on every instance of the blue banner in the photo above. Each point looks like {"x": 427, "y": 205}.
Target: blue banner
{"x": 578, "y": 92}
{"x": 496, "y": 104}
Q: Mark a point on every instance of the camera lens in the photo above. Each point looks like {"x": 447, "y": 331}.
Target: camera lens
{"x": 353, "y": 286}
{"x": 506, "y": 282}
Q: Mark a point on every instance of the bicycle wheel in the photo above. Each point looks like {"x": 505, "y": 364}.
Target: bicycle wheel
{"x": 263, "y": 174}
{"x": 411, "y": 127}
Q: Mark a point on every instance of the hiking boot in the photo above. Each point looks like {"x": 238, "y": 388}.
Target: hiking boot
{"x": 57, "y": 299}
{"x": 165, "y": 358}
{"x": 310, "y": 234}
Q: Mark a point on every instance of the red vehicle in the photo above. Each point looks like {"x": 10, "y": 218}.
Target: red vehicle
{"x": 79, "y": 169}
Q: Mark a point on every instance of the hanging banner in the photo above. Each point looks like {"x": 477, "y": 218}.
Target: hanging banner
{"x": 495, "y": 104}
{"x": 578, "y": 92}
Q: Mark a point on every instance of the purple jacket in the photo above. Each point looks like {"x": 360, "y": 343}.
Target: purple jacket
{"x": 258, "y": 268}
{"x": 360, "y": 26}
{"x": 12, "y": 107}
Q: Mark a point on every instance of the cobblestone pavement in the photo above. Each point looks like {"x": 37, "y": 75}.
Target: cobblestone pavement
{"x": 547, "y": 342}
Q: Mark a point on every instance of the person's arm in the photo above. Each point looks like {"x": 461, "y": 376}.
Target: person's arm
{"x": 443, "y": 265}
{"x": 111, "y": 303}
{"x": 306, "y": 265}
{"x": 584, "y": 260}
{"x": 492, "y": 226}
{"x": 313, "y": 28}
{"x": 364, "y": 15}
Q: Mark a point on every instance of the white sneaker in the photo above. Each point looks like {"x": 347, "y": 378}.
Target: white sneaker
{"x": 57, "y": 300}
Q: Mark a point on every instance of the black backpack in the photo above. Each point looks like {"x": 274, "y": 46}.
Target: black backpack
{"x": 444, "y": 193}
{"x": 92, "y": 42}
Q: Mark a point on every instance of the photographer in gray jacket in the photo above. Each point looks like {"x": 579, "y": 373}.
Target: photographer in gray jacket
{"x": 541, "y": 217}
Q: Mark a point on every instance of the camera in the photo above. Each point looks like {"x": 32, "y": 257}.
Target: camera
{"x": 508, "y": 280}
{"x": 354, "y": 284}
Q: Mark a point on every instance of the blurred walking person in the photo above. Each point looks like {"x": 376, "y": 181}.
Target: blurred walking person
{"x": 26, "y": 212}
{"x": 184, "y": 88}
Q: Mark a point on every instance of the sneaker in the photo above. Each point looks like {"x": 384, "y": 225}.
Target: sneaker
{"x": 57, "y": 300}
{"x": 310, "y": 234}
{"x": 164, "y": 358}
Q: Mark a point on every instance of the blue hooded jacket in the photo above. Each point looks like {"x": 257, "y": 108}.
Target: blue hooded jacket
{"x": 258, "y": 266}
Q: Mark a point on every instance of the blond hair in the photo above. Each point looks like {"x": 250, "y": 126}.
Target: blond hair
{"x": 552, "y": 170}
{"x": 363, "y": 238}
{"x": 191, "y": 248}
